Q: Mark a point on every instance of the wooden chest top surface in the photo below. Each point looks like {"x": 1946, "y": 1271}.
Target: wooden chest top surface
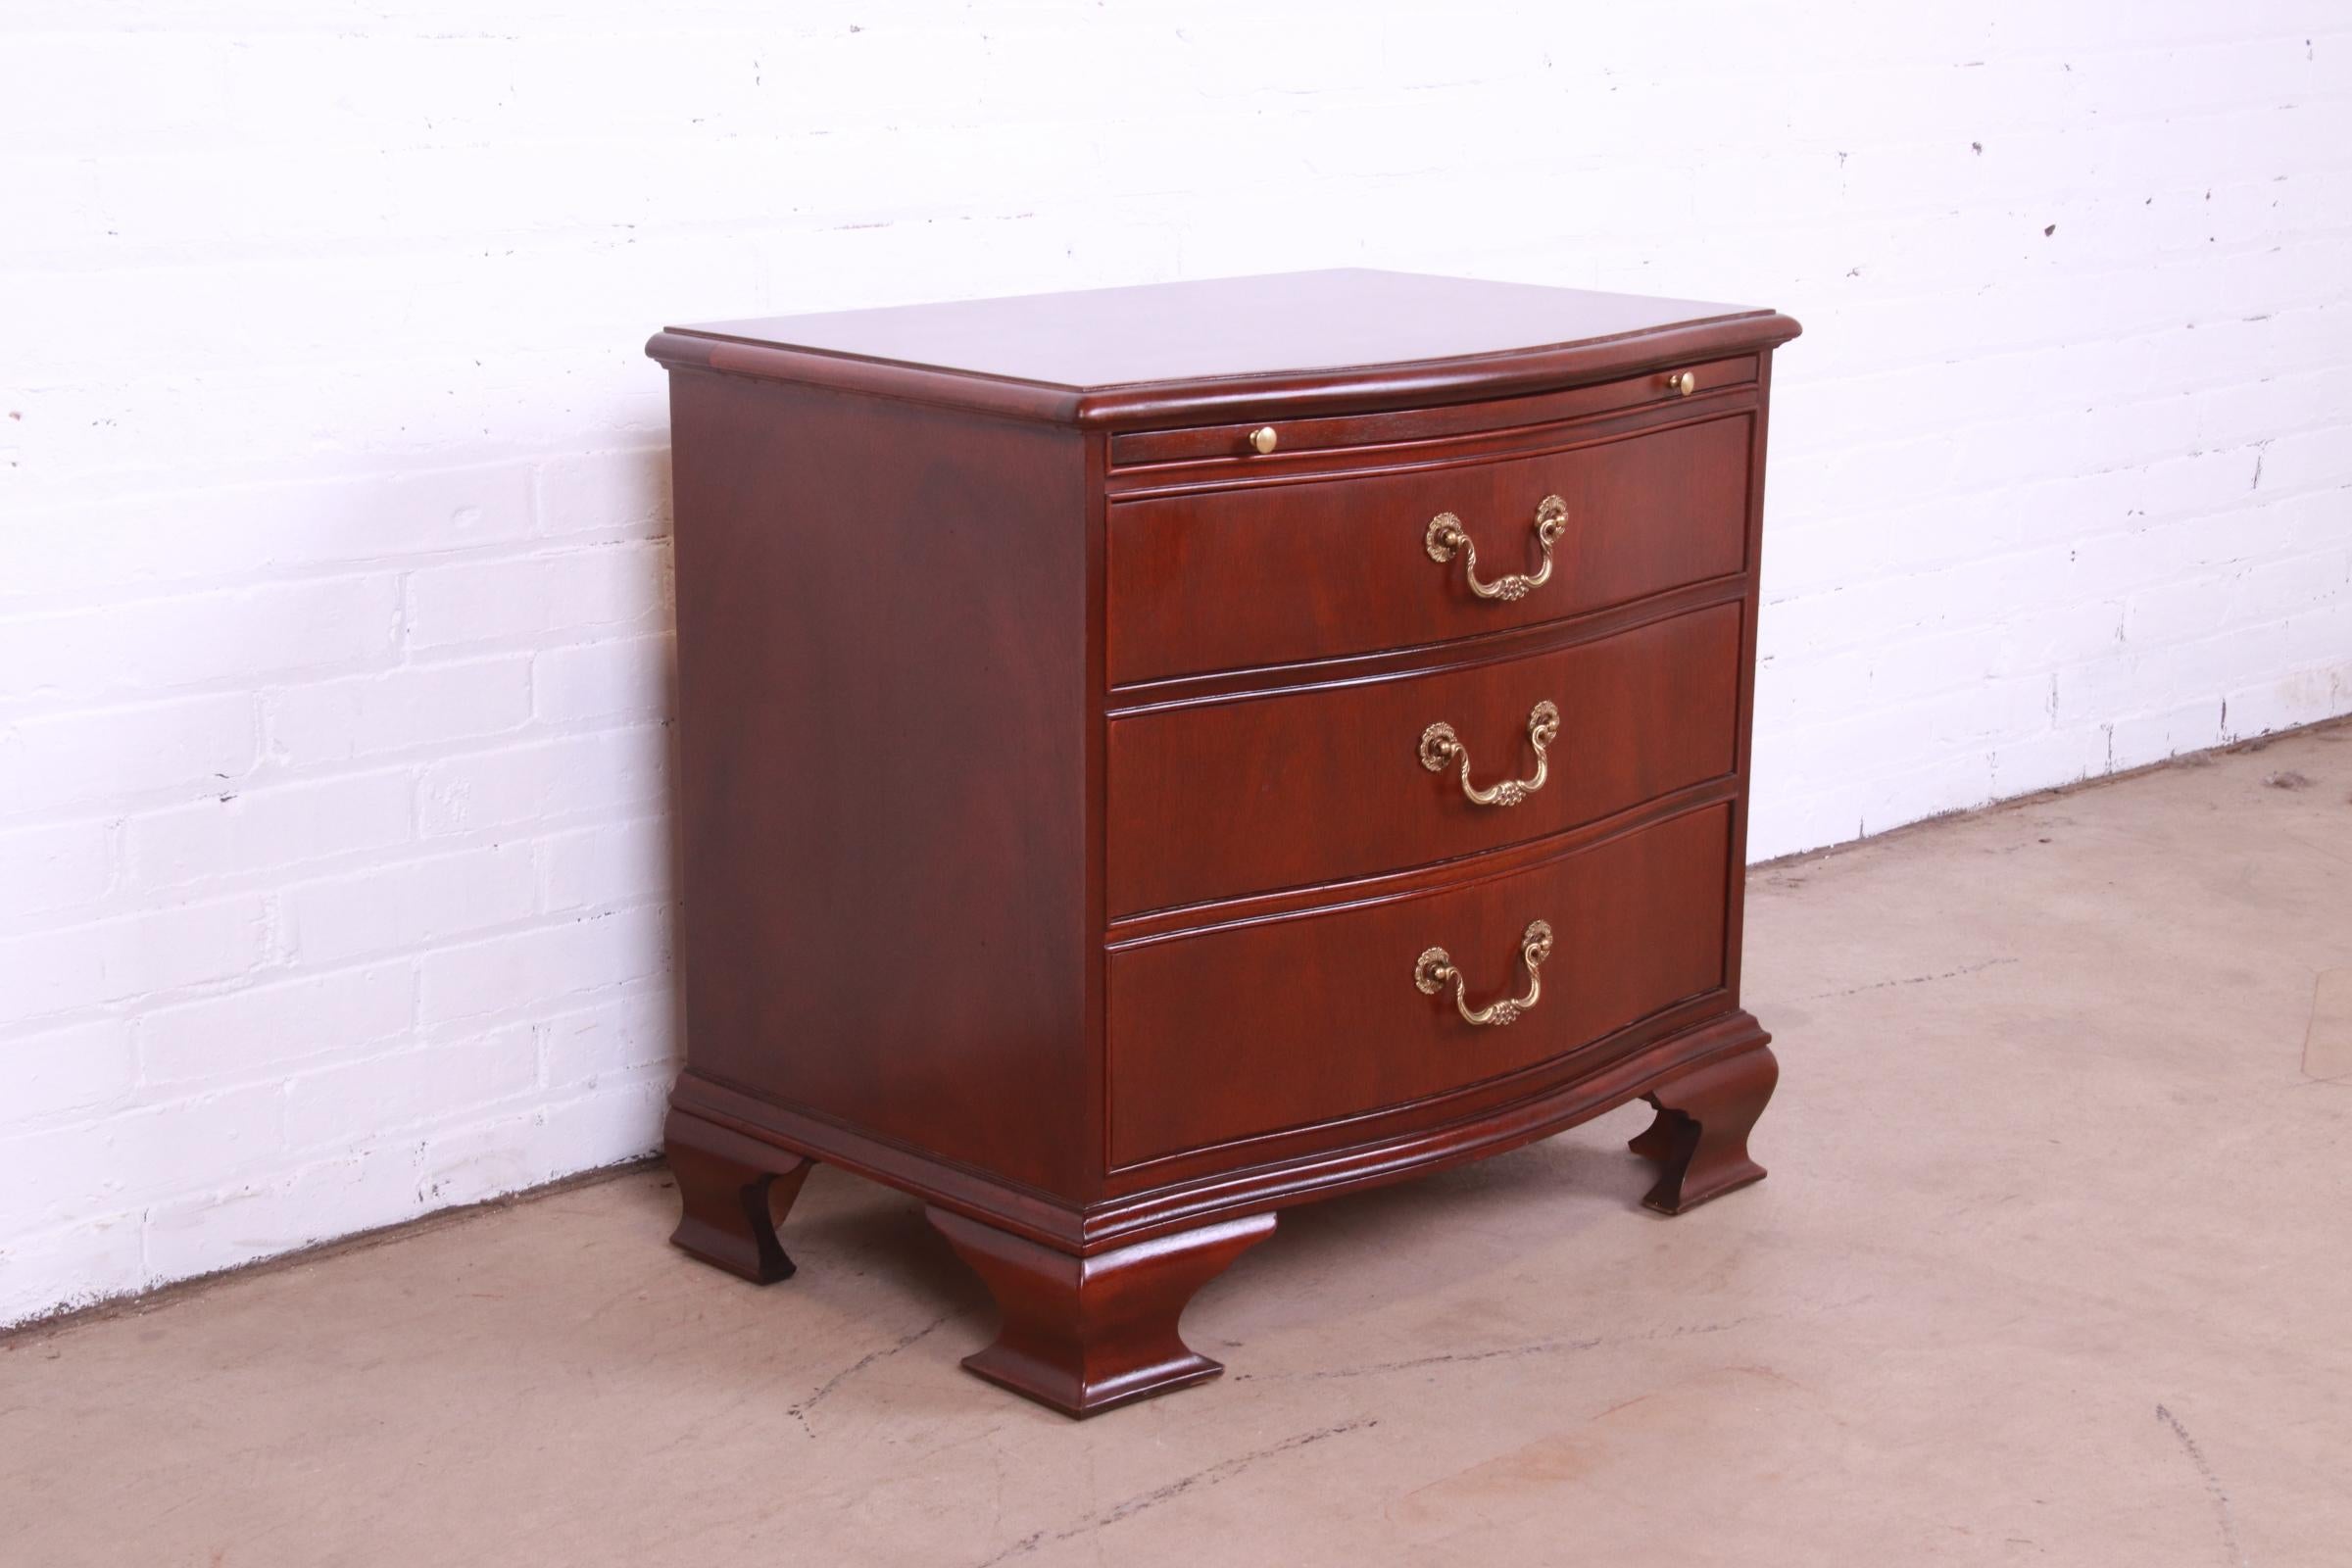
{"x": 1085, "y": 354}
{"x": 1285, "y": 322}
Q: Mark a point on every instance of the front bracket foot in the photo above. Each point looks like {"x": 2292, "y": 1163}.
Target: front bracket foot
{"x": 731, "y": 1189}
{"x": 1084, "y": 1335}
{"x": 1700, "y": 1138}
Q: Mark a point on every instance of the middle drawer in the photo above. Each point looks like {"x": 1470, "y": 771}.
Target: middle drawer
{"x": 1300, "y": 789}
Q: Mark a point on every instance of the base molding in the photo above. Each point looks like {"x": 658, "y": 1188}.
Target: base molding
{"x": 1435, "y": 1147}
{"x": 1070, "y": 1224}
{"x": 1091, "y": 1295}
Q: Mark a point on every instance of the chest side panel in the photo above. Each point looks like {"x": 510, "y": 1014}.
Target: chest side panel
{"x": 884, "y": 737}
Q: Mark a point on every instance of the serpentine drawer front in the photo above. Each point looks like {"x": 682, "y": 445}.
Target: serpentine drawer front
{"x": 1310, "y": 567}
{"x": 1152, "y": 757}
{"x": 1300, "y": 787}
{"x": 1336, "y": 1025}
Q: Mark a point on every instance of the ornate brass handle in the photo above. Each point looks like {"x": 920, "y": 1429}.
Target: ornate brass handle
{"x": 1435, "y": 967}
{"x": 1446, "y": 535}
{"x": 1439, "y": 745}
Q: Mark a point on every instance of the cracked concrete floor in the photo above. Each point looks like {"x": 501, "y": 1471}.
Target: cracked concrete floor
{"x": 2055, "y": 1265}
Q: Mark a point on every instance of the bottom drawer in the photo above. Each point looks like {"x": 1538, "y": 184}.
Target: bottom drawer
{"x": 1259, "y": 1028}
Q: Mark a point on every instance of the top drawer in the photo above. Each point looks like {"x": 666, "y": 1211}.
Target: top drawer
{"x": 1281, "y": 573}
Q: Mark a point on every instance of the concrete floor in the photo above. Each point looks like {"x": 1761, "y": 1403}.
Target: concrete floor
{"x": 2055, "y": 1265}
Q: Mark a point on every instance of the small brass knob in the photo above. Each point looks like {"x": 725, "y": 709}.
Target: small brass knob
{"x": 1682, "y": 385}
{"x": 1263, "y": 439}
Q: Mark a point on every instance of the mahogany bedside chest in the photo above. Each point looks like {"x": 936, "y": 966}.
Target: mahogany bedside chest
{"x": 1154, "y": 755}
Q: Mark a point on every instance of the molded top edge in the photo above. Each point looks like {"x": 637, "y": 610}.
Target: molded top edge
{"x": 1283, "y": 343}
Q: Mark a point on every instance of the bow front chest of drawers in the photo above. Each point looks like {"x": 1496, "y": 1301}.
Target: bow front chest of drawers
{"x": 1152, "y": 757}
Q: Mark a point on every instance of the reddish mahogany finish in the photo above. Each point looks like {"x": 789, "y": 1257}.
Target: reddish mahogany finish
{"x": 1310, "y": 786}
{"x": 1700, "y": 1138}
{"x": 1249, "y": 1029}
{"x": 1274, "y": 573}
{"x": 1470, "y": 422}
{"x": 1191, "y": 341}
{"x": 1083, "y": 1334}
{"x": 1055, "y": 846}
{"x": 731, "y": 1191}
{"x": 882, "y": 660}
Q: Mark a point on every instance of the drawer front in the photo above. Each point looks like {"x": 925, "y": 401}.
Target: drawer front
{"x": 1261, "y": 1028}
{"x": 1312, "y": 787}
{"x": 1270, "y": 575}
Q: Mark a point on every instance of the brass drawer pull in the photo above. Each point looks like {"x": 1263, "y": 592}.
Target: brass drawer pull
{"x": 1446, "y": 535}
{"x": 1434, "y": 968}
{"x": 1439, "y": 745}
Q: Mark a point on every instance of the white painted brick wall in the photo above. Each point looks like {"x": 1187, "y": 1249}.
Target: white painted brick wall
{"x": 334, "y": 869}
